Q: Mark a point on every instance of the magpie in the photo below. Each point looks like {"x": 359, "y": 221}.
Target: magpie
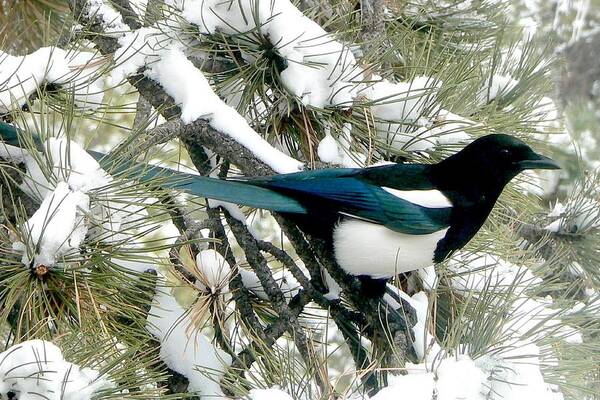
{"x": 384, "y": 220}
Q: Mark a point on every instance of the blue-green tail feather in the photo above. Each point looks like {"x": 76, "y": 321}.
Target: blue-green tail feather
{"x": 218, "y": 189}
{"x": 10, "y": 136}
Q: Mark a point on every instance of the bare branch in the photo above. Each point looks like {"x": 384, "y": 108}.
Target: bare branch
{"x": 132, "y": 148}
{"x": 130, "y": 17}
{"x": 372, "y": 12}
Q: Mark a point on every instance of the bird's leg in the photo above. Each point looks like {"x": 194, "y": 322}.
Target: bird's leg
{"x": 387, "y": 327}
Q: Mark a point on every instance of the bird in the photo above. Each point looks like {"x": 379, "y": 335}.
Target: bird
{"x": 384, "y": 220}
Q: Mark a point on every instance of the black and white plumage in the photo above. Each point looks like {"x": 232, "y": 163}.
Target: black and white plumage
{"x": 385, "y": 220}
{"x": 379, "y": 221}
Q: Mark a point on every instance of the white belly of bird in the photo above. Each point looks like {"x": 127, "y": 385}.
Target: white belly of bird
{"x": 364, "y": 248}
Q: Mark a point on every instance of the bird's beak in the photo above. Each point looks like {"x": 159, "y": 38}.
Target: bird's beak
{"x": 538, "y": 161}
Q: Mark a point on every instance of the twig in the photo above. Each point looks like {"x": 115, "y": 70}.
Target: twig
{"x": 130, "y": 17}
{"x": 372, "y": 13}
{"x": 273, "y": 332}
{"x": 132, "y": 148}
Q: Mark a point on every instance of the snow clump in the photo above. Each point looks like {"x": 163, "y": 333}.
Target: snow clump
{"x": 193, "y": 356}
{"x": 20, "y": 76}
{"x": 37, "y": 369}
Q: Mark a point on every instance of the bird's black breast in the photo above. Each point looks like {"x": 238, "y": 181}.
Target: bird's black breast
{"x": 466, "y": 220}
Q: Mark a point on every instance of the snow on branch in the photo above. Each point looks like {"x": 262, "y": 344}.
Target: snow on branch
{"x": 193, "y": 356}
{"x": 77, "y": 203}
{"x": 408, "y": 115}
{"x": 581, "y": 211}
{"x": 66, "y": 161}
{"x": 37, "y": 369}
{"x": 55, "y": 229}
{"x": 512, "y": 370}
{"x": 273, "y": 393}
{"x": 321, "y": 70}
{"x": 21, "y": 76}
{"x": 166, "y": 64}
{"x": 112, "y": 21}
{"x": 512, "y": 367}
{"x": 198, "y": 100}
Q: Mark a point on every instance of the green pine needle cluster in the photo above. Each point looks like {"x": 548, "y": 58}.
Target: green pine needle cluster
{"x": 96, "y": 309}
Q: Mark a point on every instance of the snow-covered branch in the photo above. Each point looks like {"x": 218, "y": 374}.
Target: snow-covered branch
{"x": 193, "y": 356}
{"x": 141, "y": 49}
{"x": 37, "y": 368}
{"x": 163, "y": 60}
{"x": 79, "y": 202}
{"x": 321, "y": 70}
{"x": 263, "y": 308}
{"x": 77, "y": 71}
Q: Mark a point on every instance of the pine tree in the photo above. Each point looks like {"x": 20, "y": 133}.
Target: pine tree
{"x": 150, "y": 293}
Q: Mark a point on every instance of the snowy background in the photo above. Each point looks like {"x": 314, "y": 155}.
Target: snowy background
{"x": 105, "y": 295}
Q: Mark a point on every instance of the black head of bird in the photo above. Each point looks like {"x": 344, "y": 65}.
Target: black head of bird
{"x": 474, "y": 178}
{"x": 499, "y": 152}
{"x": 485, "y": 166}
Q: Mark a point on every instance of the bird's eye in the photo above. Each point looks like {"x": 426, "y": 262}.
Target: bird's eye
{"x": 505, "y": 153}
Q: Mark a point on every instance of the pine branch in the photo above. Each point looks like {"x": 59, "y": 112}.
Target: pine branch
{"x": 373, "y": 24}
{"x": 137, "y": 145}
{"x": 384, "y": 322}
{"x": 259, "y": 264}
{"x": 13, "y": 199}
